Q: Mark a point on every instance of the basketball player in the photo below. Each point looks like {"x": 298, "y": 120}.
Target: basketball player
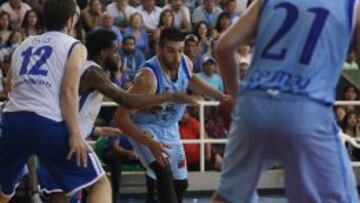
{"x": 284, "y": 107}
{"x": 95, "y": 83}
{"x": 41, "y": 116}
{"x": 169, "y": 71}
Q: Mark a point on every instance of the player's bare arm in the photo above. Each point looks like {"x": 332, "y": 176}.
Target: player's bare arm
{"x": 133, "y": 101}
{"x": 239, "y": 33}
{"x": 145, "y": 83}
{"x": 69, "y": 97}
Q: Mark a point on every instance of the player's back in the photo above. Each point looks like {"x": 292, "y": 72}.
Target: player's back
{"x": 37, "y": 68}
{"x": 300, "y": 47}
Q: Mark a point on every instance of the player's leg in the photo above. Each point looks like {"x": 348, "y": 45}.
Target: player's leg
{"x": 245, "y": 154}
{"x": 317, "y": 168}
{"x": 179, "y": 169}
{"x": 15, "y": 148}
{"x": 57, "y": 174}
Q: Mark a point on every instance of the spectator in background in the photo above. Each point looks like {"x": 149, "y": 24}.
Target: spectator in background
{"x": 131, "y": 57}
{"x": 207, "y": 12}
{"x": 202, "y": 32}
{"x": 232, "y": 8}
{"x": 121, "y": 11}
{"x": 16, "y": 9}
{"x": 5, "y": 30}
{"x": 351, "y": 127}
{"x": 191, "y": 50}
{"x": 31, "y": 24}
{"x": 166, "y": 19}
{"x": 91, "y": 15}
{"x": 350, "y": 62}
{"x": 118, "y": 152}
{"x": 340, "y": 114}
{"x": 209, "y": 74}
{"x": 243, "y": 54}
{"x": 243, "y": 68}
{"x": 107, "y": 22}
{"x": 190, "y": 130}
{"x": 136, "y": 29}
{"x": 150, "y": 15}
{"x": 351, "y": 94}
{"x": 181, "y": 13}
{"x": 223, "y": 23}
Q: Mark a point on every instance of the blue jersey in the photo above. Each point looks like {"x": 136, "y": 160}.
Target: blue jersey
{"x": 167, "y": 114}
{"x": 301, "y": 46}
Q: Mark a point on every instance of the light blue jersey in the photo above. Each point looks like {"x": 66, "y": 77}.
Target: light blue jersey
{"x": 168, "y": 113}
{"x": 312, "y": 65}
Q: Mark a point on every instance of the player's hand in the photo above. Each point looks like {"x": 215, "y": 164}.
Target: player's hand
{"x": 159, "y": 152}
{"x": 107, "y": 131}
{"x": 183, "y": 98}
{"x": 78, "y": 148}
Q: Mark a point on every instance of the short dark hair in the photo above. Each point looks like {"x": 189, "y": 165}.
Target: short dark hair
{"x": 127, "y": 37}
{"x": 98, "y": 40}
{"x": 57, "y": 13}
{"x": 171, "y": 34}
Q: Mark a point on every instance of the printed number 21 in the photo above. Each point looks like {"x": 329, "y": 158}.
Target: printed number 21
{"x": 43, "y": 53}
{"x": 292, "y": 14}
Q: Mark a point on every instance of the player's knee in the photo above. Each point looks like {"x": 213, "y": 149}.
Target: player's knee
{"x": 181, "y": 185}
{"x": 161, "y": 172}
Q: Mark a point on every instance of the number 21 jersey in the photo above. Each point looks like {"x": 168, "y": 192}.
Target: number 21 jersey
{"x": 301, "y": 46}
{"x": 37, "y": 68}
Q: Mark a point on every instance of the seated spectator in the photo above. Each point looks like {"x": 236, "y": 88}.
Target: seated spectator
{"x": 340, "y": 114}
{"x": 351, "y": 127}
{"x": 351, "y": 94}
{"x": 243, "y": 68}
{"x": 223, "y": 23}
{"x": 107, "y": 22}
{"x": 191, "y": 50}
{"x": 118, "y": 152}
{"x": 166, "y": 19}
{"x": 243, "y": 54}
{"x": 207, "y": 12}
{"x": 91, "y": 15}
{"x": 150, "y": 14}
{"x": 121, "y": 11}
{"x": 31, "y": 24}
{"x": 350, "y": 63}
{"x": 136, "y": 29}
{"x": 190, "y": 130}
{"x": 5, "y": 30}
{"x": 202, "y": 32}
{"x": 131, "y": 57}
{"x": 209, "y": 75}
{"x": 232, "y": 9}
{"x": 181, "y": 13}
{"x": 16, "y": 9}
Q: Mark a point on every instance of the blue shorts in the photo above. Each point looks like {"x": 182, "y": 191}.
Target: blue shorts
{"x": 177, "y": 157}
{"x": 25, "y": 134}
{"x": 298, "y": 132}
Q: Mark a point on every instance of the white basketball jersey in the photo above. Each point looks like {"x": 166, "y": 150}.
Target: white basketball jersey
{"x": 90, "y": 105}
{"x": 37, "y": 67}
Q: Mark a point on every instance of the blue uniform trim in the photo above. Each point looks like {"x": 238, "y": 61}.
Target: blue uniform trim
{"x": 185, "y": 68}
{"x": 72, "y": 47}
{"x": 83, "y": 99}
{"x": 263, "y": 6}
{"x": 350, "y": 12}
{"x": 157, "y": 73}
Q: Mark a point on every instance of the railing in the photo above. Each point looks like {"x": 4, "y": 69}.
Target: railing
{"x": 202, "y": 141}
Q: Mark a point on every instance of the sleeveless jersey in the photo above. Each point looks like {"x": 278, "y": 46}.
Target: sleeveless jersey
{"x": 301, "y": 46}
{"x": 37, "y": 67}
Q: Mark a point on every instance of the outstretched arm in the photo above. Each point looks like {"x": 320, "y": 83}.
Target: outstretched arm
{"x": 97, "y": 79}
